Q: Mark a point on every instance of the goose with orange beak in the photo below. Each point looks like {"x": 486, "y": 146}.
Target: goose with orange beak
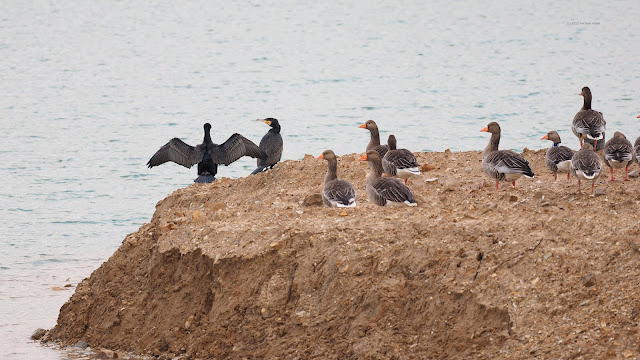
{"x": 558, "y": 157}
{"x": 618, "y": 153}
{"x": 336, "y": 192}
{"x": 374, "y": 141}
{"x": 586, "y": 165}
{"x": 385, "y": 191}
{"x": 588, "y": 123}
{"x": 502, "y": 165}
{"x": 636, "y": 148}
{"x": 399, "y": 162}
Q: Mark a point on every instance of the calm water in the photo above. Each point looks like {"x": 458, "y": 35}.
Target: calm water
{"x": 91, "y": 89}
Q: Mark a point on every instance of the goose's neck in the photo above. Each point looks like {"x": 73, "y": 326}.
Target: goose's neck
{"x": 332, "y": 172}
{"x": 375, "y": 139}
{"x": 587, "y": 102}
{"x": 493, "y": 144}
{"x": 375, "y": 170}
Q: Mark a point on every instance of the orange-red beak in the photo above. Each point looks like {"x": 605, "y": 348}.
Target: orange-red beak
{"x": 363, "y": 126}
{"x": 363, "y": 157}
{"x": 638, "y": 116}
{"x": 485, "y": 129}
{"x": 546, "y": 137}
{"x": 321, "y": 156}
{"x": 580, "y": 93}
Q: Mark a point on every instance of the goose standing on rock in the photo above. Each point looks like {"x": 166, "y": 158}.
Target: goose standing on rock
{"x": 271, "y": 144}
{"x": 502, "y": 165}
{"x": 558, "y": 157}
{"x": 618, "y": 153}
{"x": 588, "y": 123}
{"x": 586, "y": 165}
{"x": 336, "y": 192}
{"x": 399, "y": 162}
{"x": 207, "y": 155}
{"x": 374, "y": 141}
{"x": 385, "y": 191}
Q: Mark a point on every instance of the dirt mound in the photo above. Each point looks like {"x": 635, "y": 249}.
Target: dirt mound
{"x": 255, "y": 268}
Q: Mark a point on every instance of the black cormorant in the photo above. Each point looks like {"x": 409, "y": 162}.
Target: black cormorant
{"x": 207, "y": 155}
{"x": 271, "y": 144}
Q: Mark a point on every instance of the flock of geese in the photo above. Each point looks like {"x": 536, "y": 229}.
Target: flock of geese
{"x": 501, "y": 165}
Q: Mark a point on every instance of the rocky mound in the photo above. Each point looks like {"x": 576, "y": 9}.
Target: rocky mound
{"x": 256, "y": 268}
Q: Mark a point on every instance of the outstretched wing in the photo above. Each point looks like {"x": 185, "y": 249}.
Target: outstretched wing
{"x": 177, "y": 151}
{"x": 234, "y": 148}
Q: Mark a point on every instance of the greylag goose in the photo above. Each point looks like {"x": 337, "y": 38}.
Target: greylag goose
{"x": 374, "y": 141}
{"x": 207, "y": 155}
{"x": 385, "y": 191}
{"x": 558, "y": 157}
{"x": 618, "y": 153}
{"x": 586, "y": 165}
{"x": 636, "y": 148}
{"x": 271, "y": 144}
{"x": 336, "y": 192}
{"x": 399, "y": 162}
{"x": 502, "y": 165}
{"x": 588, "y": 123}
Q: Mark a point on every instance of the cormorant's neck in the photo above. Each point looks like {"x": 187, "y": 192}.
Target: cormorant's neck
{"x": 207, "y": 135}
{"x": 332, "y": 172}
{"x": 493, "y": 143}
{"x": 375, "y": 139}
{"x": 275, "y": 129}
{"x": 587, "y": 102}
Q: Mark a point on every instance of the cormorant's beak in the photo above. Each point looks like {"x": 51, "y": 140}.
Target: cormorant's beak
{"x": 546, "y": 137}
{"x": 485, "y": 129}
{"x": 363, "y": 126}
{"x": 321, "y": 156}
{"x": 268, "y": 122}
{"x": 363, "y": 158}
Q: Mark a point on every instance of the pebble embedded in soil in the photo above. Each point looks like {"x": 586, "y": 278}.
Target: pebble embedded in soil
{"x": 589, "y": 280}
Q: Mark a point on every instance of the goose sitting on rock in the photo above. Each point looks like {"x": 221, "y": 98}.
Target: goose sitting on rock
{"x": 385, "y": 191}
{"x": 586, "y": 165}
{"x": 271, "y": 144}
{"x": 374, "y": 141}
{"x": 207, "y": 155}
{"x": 558, "y": 157}
{"x": 588, "y": 123}
{"x": 618, "y": 153}
{"x": 502, "y": 165}
{"x": 399, "y": 162}
{"x": 336, "y": 192}
{"x": 636, "y": 148}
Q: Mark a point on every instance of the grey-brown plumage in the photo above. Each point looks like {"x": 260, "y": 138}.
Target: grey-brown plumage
{"x": 271, "y": 144}
{"x": 636, "y": 149}
{"x": 385, "y": 191}
{"x": 374, "y": 141}
{"x": 336, "y": 192}
{"x": 558, "y": 157}
{"x": 618, "y": 153}
{"x": 399, "y": 162}
{"x": 586, "y": 165}
{"x": 588, "y": 123}
{"x": 502, "y": 165}
{"x": 207, "y": 155}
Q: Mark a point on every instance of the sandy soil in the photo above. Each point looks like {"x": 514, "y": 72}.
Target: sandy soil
{"x": 257, "y": 268}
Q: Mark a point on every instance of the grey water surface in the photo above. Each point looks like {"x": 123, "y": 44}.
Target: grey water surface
{"x": 91, "y": 89}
